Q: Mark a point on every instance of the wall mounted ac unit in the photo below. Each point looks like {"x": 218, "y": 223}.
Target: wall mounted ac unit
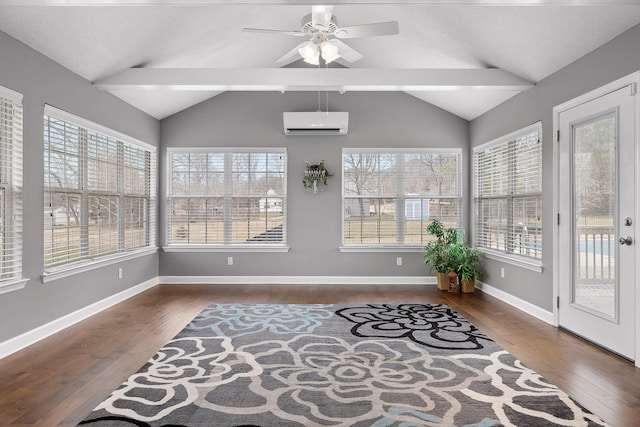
{"x": 316, "y": 123}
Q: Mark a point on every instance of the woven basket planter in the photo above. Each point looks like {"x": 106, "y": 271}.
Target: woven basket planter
{"x": 468, "y": 286}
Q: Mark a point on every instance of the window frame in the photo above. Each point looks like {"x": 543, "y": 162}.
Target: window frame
{"x": 83, "y": 192}
{"x": 522, "y": 261}
{"x": 12, "y": 191}
{"x": 399, "y": 197}
{"x": 171, "y": 246}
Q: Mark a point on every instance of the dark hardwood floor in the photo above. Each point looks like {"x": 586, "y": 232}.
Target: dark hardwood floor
{"x": 59, "y": 380}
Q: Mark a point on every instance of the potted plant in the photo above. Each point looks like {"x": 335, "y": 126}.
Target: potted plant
{"x": 434, "y": 257}
{"x": 437, "y": 254}
{"x": 469, "y": 268}
{"x": 315, "y": 173}
{"x": 456, "y": 253}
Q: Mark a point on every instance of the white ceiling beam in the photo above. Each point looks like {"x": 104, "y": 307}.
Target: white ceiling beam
{"x": 312, "y": 79}
{"x": 311, "y": 2}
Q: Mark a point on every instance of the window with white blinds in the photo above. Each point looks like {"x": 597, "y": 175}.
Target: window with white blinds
{"x": 508, "y": 194}
{"x": 10, "y": 186}
{"x": 99, "y": 192}
{"x": 227, "y": 197}
{"x": 390, "y": 196}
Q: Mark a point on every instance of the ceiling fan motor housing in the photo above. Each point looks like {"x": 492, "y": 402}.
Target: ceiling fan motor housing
{"x": 308, "y": 27}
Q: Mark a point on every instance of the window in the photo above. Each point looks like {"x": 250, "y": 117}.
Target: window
{"x": 99, "y": 192}
{"x": 508, "y": 194}
{"x": 10, "y": 190}
{"x": 227, "y": 198}
{"x": 390, "y": 196}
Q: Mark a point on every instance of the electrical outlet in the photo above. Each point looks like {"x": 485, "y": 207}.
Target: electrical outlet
{"x": 230, "y": 260}
{"x": 502, "y": 272}
{"x": 399, "y": 261}
{"x": 119, "y": 273}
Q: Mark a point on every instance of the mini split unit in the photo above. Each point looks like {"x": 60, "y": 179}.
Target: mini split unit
{"x": 316, "y": 123}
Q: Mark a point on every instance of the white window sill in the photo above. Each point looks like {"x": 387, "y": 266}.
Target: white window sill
{"x": 223, "y": 248}
{"x": 381, "y": 248}
{"x": 514, "y": 260}
{"x": 66, "y": 271}
{"x": 12, "y": 285}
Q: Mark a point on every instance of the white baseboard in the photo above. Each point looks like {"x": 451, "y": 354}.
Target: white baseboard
{"x": 31, "y": 337}
{"x": 299, "y": 280}
{"x": 520, "y": 304}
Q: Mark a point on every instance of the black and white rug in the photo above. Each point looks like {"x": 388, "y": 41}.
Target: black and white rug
{"x": 375, "y": 365}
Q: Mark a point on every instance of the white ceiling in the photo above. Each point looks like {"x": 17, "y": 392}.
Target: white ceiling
{"x": 530, "y": 42}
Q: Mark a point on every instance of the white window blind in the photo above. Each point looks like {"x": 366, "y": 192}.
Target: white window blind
{"x": 99, "y": 192}
{"x": 508, "y": 193}
{"x": 229, "y": 197}
{"x": 10, "y": 185}
{"x": 390, "y": 196}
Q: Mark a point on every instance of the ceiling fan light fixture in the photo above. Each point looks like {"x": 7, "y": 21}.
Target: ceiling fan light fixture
{"x": 314, "y": 58}
{"x": 321, "y": 24}
{"x": 308, "y": 50}
{"x": 330, "y": 51}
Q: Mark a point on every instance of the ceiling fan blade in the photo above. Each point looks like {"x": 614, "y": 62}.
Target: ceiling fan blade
{"x": 268, "y": 31}
{"x": 347, "y": 53}
{"x": 321, "y": 16}
{"x": 368, "y": 30}
{"x": 287, "y": 56}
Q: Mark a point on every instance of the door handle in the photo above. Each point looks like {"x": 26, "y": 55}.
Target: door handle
{"x": 626, "y": 240}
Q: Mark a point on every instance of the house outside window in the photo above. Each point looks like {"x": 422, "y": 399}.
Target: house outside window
{"x": 99, "y": 193}
{"x": 390, "y": 196}
{"x": 507, "y": 195}
{"x": 226, "y": 198}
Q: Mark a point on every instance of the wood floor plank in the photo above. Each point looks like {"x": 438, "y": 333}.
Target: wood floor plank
{"x": 59, "y": 380}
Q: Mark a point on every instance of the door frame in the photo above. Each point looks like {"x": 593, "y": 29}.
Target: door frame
{"x": 632, "y": 79}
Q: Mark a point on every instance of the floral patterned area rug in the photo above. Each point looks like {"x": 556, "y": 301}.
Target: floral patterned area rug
{"x": 375, "y": 365}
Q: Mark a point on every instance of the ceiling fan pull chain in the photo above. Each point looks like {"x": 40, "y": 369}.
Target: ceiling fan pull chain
{"x": 326, "y": 67}
{"x": 319, "y": 106}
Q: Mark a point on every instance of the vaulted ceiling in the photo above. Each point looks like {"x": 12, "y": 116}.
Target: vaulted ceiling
{"x": 465, "y": 57}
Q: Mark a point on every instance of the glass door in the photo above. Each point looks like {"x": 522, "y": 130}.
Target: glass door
{"x": 596, "y": 239}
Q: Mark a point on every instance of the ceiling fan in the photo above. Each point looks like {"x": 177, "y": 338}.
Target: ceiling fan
{"x": 324, "y": 34}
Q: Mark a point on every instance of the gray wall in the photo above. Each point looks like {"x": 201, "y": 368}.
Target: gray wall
{"x": 615, "y": 59}
{"x": 239, "y": 119}
{"x": 41, "y": 81}
{"x": 254, "y": 119}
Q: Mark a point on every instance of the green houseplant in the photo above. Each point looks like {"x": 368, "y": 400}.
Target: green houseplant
{"x": 315, "y": 173}
{"x": 449, "y": 253}
{"x": 465, "y": 261}
{"x": 438, "y": 255}
{"x": 455, "y": 255}
{"x": 468, "y": 268}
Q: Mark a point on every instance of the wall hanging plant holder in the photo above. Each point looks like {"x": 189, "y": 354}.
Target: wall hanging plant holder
{"x": 314, "y": 175}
